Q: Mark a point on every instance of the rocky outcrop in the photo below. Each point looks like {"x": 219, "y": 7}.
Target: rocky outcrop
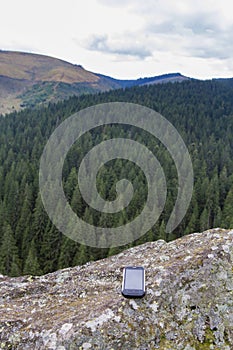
{"x": 188, "y": 304}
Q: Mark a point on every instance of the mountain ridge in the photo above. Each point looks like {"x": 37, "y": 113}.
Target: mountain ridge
{"x": 36, "y": 67}
{"x": 28, "y": 80}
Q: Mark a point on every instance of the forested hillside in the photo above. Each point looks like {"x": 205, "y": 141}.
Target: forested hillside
{"x": 201, "y": 111}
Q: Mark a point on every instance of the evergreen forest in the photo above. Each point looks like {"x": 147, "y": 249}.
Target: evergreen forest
{"x": 202, "y": 113}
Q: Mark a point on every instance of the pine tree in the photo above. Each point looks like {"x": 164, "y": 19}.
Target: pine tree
{"x": 213, "y": 198}
{"x": 77, "y": 202}
{"x": 192, "y": 225}
{"x": 2, "y": 217}
{"x": 227, "y": 214}
{"x": 71, "y": 184}
{"x": 67, "y": 252}
{"x": 204, "y": 220}
{"x": 23, "y": 231}
{"x": 40, "y": 221}
{"x": 12, "y": 200}
{"x": 218, "y": 218}
{"x": 15, "y": 268}
{"x": 9, "y": 258}
{"x": 81, "y": 256}
{"x": 50, "y": 248}
{"x": 31, "y": 266}
{"x": 162, "y": 231}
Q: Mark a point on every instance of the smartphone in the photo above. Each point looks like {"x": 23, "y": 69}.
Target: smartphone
{"x": 133, "y": 284}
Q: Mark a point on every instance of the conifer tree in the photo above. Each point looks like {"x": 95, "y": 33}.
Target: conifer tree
{"x": 23, "y": 231}
{"x": 162, "y": 231}
{"x": 9, "y": 258}
{"x": 81, "y": 256}
{"x": 67, "y": 252}
{"x": 77, "y": 202}
{"x": 50, "y": 248}
{"x": 40, "y": 221}
{"x": 31, "y": 266}
{"x": 204, "y": 220}
{"x": 227, "y": 215}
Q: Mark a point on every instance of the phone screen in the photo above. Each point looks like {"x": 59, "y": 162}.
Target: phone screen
{"x": 133, "y": 279}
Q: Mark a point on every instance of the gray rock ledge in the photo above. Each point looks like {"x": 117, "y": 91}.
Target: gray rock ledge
{"x": 188, "y": 304}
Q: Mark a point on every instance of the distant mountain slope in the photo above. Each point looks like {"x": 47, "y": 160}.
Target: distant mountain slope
{"x": 164, "y": 78}
{"x": 27, "y": 80}
{"x": 30, "y": 79}
{"x": 33, "y": 67}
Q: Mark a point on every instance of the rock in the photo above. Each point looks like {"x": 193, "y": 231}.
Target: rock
{"x": 188, "y": 304}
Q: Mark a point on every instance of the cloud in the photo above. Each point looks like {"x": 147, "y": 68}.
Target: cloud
{"x": 189, "y": 29}
{"x": 209, "y": 41}
{"x": 117, "y": 3}
{"x": 198, "y": 23}
{"x": 122, "y": 46}
{"x": 202, "y": 23}
{"x": 217, "y": 46}
{"x": 201, "y": 34}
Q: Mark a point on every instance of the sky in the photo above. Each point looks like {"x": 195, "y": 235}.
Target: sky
{"x": 125, "y": 39}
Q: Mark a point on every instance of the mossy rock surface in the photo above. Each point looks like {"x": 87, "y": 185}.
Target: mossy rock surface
{"x": 188, "y": 304}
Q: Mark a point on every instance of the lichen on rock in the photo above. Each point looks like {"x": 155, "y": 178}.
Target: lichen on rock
{"x": 188, "y": 303}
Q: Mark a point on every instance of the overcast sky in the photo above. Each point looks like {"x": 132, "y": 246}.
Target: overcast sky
{"x": 125, "y": 38}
